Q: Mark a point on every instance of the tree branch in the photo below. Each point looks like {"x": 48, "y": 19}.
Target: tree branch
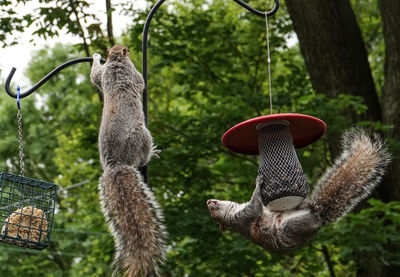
{"x": 328, "y": 260}
{"x": 82, "y": 33}
{"x": 110, "y": 32}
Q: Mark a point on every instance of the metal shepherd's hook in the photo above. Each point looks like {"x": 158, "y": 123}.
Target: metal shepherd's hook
{"x": 144, "y": 48}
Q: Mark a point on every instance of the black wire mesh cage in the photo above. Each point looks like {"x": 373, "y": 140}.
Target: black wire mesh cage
{"x": 284, "y": 185}
{"x": 26, "y": 210}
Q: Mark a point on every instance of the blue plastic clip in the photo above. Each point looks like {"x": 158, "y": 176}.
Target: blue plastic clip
{"x": 18, "y": 100}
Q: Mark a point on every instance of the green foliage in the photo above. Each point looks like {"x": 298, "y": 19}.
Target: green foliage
{"x": 48, "y": 19}
{"x": 373, "y": 232}
{"x": 11, "y": 22}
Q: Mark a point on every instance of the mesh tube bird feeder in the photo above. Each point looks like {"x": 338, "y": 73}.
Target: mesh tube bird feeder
{"x": 274, "y": 137}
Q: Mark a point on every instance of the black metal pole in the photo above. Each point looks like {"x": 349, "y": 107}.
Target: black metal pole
{"x": 145, "y": 170}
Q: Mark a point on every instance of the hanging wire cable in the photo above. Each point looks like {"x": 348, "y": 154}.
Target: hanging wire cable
{"x": 269, "y": 63}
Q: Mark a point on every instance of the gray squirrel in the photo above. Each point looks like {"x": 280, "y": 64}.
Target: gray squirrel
{"x": 125, "y": 144}
{"x": 355, "y": 173}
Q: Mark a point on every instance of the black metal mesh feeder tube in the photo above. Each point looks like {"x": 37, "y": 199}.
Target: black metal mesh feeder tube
{"x": 274, "y": 137}
{"x": 283, "y": 183}
{"x": 26, "y": 210}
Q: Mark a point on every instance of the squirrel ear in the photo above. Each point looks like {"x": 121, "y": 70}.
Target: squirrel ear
{"x": 125, "y": 51}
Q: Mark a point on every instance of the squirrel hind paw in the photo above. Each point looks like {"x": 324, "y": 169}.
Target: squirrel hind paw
{"x": 155, "y": 152}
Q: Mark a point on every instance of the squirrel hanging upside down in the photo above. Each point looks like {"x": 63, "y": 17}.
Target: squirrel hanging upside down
{"x": 355, "y": 173}
{"x": 125, "y": 144}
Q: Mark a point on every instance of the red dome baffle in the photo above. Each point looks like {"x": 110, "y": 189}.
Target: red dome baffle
{"x": 243, "y": 137}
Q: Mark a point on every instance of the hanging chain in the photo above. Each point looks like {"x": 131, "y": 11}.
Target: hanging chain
{"x": 20, "y": 137}
{"x": 269, "y": 63}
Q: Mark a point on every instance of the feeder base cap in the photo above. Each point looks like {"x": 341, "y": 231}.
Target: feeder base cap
{"x": 285, "y": 203}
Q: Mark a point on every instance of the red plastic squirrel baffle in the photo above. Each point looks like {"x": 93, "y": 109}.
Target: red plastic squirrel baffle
{"x": 274, "y": 137}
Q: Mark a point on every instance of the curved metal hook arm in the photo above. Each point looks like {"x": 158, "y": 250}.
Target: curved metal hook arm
{"x": 257, "y": 12}
{"x": 45, "y": 78}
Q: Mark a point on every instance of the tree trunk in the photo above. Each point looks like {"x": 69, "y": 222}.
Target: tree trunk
{"x": 390, "y": 13}
{"x": 334, "y": 52}
{"x": 110, "y": 32}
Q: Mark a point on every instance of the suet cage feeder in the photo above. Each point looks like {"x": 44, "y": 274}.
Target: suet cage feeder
{"x": 26, "y": 210}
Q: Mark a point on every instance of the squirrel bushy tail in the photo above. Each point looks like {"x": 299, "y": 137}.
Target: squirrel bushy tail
{"x": 354, "y": 175}
{"x": 135, "y": 220}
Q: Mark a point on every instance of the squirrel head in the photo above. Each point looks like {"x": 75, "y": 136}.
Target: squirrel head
{"x": 118, "y": 50}
{"x": 219, "y": 210}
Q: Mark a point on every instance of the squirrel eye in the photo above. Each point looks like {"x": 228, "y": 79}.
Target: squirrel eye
{"x": 213, "y": 217}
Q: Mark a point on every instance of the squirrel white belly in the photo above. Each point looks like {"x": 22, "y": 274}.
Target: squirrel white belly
{"x": 354, "y": 175}
{"x": 129, "y": 206}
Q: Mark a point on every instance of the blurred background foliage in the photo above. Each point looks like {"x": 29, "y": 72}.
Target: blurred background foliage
{"x": 207, "y": 72}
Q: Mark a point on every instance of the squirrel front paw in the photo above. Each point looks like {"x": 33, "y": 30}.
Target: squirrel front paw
{"x": 96, "y": 57}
